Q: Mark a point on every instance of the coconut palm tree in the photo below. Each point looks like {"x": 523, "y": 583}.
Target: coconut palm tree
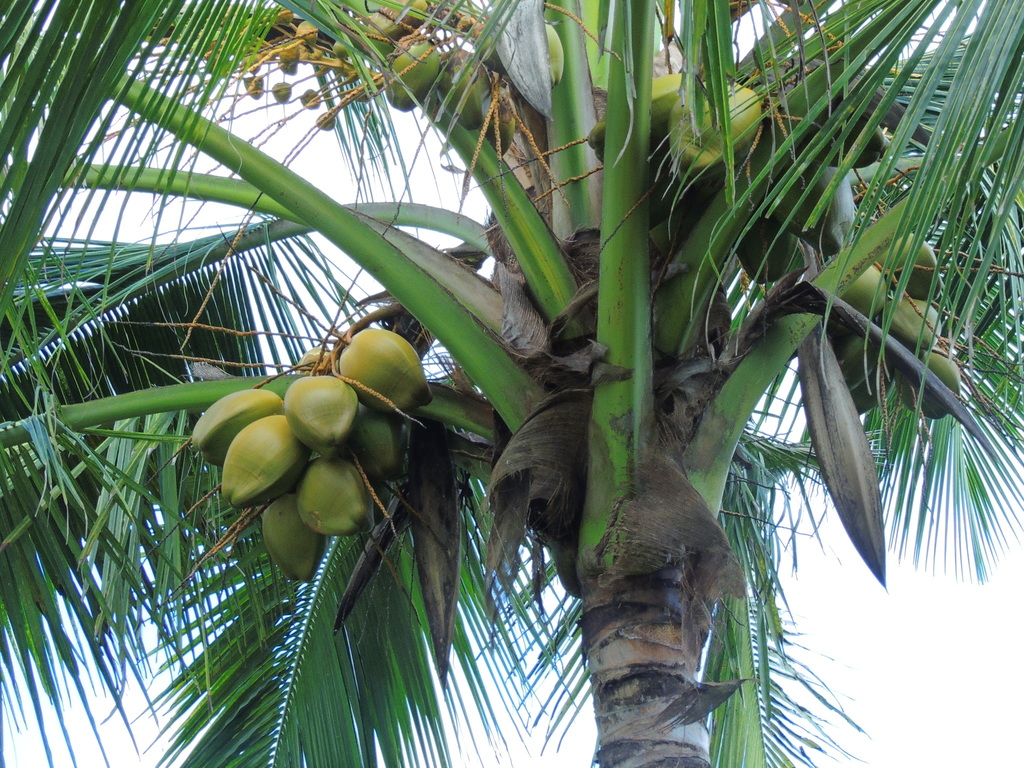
{"x": 732, "y": 251}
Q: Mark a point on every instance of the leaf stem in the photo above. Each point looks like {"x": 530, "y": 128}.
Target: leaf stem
{"x": 623, "y": 410}
{"x": 447, "y": 406}
{"x": 220, "y": 189}
{"x": 437, "y": 304}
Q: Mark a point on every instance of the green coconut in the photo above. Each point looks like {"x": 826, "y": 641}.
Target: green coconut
{"x": 263, "y": 461}
{"x": 228, "y": 416}
{"x": 924, "y": 266}
{"x": 464, "y": 91}
{"x": 664, "y": 94}
{"x": 320, "y": 411}
{"x": 379, "y": 441}
{"x": 386, "y": 366}
{"x": 865, "y": 395}
{"x": 697, "y": 143}
{"x": 416, "y": 70}
{"x": 664, "y": 97}
{"x": 948, "y": 372}
{"x": 332, "y": 498}
{"x": 293, "y": 546}
{"x": 867, "y": 293}
{"x": 856, "y": 361}
{"x": 767, "y": 251}
{"x": 869, "y": 148}
{"x": 915, "y": 323}
{"x": 828, "y": 232}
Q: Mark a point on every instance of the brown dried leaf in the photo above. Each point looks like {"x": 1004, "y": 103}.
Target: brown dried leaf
{"x": 704, "y": 698}
{"x": 538, "y": 481}
{"x": 521, "y": 324}
{"x": 383, "y": 535}
{"x": 667, "y": 520}
{"x": 842, "y": 448}
{"x": 437, "y": 533}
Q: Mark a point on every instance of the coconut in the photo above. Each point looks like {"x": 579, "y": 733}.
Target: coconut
{"x": 320, "y": 410}
{"x": 697, "y": 143}
{"x": 767, "y": 252}
{"x": 387, "y": 366}
{"x": 464, "y": 91}
{"x": 866, "y": 294}
{"x": 378, "y": 440}
{"x": 922, "y": 271}
{"x": 915, "y": 323}
{"x": 228, "y": 416}
{"x": 263, "y": 461}
{"x": 948, "y": 372}
{"x": 828, "y": 232}
{"x": 332, "y": 498}
{"x": 293, "y": 546}
{"x": 416, "y": 71}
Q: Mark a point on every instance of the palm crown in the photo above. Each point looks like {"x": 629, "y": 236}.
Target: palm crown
{"x": 688, "y": 253}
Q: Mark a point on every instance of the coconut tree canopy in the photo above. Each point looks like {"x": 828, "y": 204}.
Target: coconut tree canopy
{"x": 732, "y": 253}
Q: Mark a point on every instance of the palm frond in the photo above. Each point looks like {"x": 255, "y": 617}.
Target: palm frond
{"x": 63, "y": 63}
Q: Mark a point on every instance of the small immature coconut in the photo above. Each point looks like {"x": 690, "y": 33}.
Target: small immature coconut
{"x": 505, "y": 121}
{"x": 223, "y": 420}
{"x": 254, "y": 86}
{"x": 556, "y": 54}
{"x": 264, "y": 461}
{"x": 327, "y": 121}
{"x": 332, "y": 498}
{"x": 306, "y": 30}
{"x": 312, "y": 358}
{"x": 292, "y": 545}
{"x": 386, "y": 363}
{"x": 281, "y": 92}
{"x": 320, "y": 410}
{"x": 291, "y": 54}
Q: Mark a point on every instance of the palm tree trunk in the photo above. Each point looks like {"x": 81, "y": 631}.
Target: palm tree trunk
{"x": 643, "y": 637}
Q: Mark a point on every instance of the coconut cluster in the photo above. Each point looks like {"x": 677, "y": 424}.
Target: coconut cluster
{"x": 686, "y": 142}
{"x": 903, "y": 298}
{"x": 313, "y": 455}
{"x": 687, "y": 149}
{"x": 423, "y": 63}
